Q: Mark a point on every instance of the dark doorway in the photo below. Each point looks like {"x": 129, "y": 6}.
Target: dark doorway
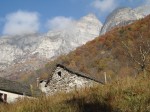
{"x": 1, "y": 98}
{"x": 59, "y": 73}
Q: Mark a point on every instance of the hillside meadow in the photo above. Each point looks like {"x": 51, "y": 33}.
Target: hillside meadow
{"x": 121, "y": 95}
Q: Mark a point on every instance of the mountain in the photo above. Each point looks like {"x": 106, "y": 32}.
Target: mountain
{"x": 111, "y": 53}
{"x": 124, "y": 16}
{"x": 25, "y": 53}
{"x": 21, "y": 49}
{"x": 58, "y": 42}
{"x": 143, "y": 10}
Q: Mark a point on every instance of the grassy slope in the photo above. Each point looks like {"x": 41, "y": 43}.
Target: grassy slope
{"x": 123, "y": 95}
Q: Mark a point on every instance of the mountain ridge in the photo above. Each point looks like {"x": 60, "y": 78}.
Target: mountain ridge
{"x": 124, "y": 16}
{"x": 37, "y": 49}
{"x": 21, "y": 48}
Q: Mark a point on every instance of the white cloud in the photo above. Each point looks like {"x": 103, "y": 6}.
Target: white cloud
{"x": 59, "y": 23}
{"x": 21, "y": 22}
{"x": 105, "y": 5}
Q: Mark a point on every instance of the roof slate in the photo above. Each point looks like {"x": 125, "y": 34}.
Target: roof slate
{"x": 81, "y": 74}
{"x": 14, "y": 87}
{"x": 76, "y": 73}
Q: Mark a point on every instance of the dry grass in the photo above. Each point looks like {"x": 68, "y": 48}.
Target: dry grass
{"x": 125, "y": 95}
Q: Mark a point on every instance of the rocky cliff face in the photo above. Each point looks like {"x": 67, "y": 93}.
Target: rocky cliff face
{"x": 59, "y": 42}
{"x": 143, "y": 10}
{"x": 19, "y": 49}
{"x": 120, "y": 17}
{"x": 124, "y": 16}
{"x": 13, "y": 48}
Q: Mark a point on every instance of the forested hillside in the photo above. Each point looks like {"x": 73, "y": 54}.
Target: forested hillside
{"x": 122, "y": 51}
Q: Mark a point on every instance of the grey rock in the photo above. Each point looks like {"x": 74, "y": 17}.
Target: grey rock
{"x": 143, "y": 10}
{"x": 123, "y": 16}
{"x": 21, "y": 48}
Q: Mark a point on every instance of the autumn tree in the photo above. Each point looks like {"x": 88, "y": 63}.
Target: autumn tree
{"x": 138, "y": 51}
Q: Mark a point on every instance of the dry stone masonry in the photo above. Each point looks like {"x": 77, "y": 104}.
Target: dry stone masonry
{"x": 66, "y": 80}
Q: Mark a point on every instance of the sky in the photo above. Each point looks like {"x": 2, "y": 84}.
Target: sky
{"x": 32, "y": 16}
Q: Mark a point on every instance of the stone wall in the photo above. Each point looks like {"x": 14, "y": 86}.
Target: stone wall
{"x": 65, "y": 81}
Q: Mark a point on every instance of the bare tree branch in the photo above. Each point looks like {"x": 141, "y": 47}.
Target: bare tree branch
{"x": 139, "y": 54}
{"x": 130, "y": 54}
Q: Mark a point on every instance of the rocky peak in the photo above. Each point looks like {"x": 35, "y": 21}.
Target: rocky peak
{"x": 119, "y": 17}
{"x": 21, "y": 48}
{"x": 88, "y": 27}
{"x": 89, "y": 17}
{"x": 83, "y": 30}
{"x": 143, "y": 10}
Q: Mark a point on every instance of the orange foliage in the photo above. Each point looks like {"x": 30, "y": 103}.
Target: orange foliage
{"x": 106, "y": 51}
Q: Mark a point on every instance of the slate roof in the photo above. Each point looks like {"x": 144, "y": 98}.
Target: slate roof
{"x": 14, "y": 87}
{"x": 76, "y": 73}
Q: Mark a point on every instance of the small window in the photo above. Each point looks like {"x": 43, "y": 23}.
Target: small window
{"x": 3, "y": 98}
{"x": 59, "y": 73}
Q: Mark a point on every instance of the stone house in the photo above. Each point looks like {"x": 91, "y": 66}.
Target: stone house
{"x": 10, "y": 91}
{"x": 65, "y": 79}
